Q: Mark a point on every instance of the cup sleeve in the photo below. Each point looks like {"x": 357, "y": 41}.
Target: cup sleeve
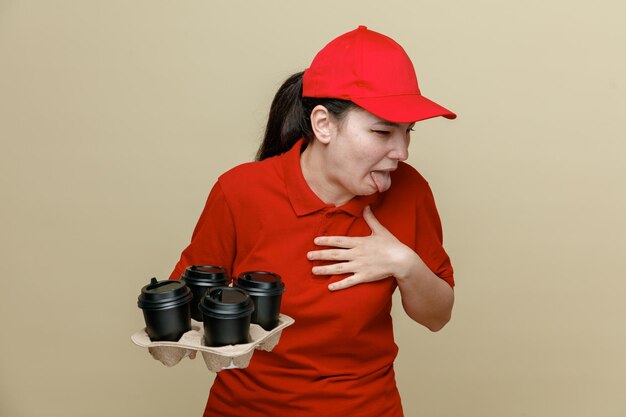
{"x": 213, "y": 238}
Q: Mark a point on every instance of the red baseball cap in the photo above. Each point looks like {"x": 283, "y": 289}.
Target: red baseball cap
{"x": 374, "y": 72}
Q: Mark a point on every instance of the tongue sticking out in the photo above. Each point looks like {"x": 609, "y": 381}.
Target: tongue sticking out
{"x": 382, "y": 179}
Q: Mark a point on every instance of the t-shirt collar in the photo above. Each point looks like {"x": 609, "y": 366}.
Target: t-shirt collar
{"x": 303, "y": 200}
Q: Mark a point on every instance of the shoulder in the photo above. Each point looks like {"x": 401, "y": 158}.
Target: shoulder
{"x": 407, "y": 177}
{"x": 251, "y": 173}
{"x": 252, "y": 180}
{"x": 408, "y": 187}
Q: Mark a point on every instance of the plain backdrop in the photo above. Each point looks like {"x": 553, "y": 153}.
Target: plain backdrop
{"x": 116, "y": 117}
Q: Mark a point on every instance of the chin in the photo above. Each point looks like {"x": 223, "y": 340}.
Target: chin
{"x": 368, "y": 191}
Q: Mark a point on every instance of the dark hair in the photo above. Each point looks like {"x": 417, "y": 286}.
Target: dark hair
{"x": 290, "y": 117}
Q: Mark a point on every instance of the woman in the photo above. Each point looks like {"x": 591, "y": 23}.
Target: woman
{"x": 331, "y": 207}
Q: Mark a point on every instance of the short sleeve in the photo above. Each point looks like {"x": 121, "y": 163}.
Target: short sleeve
{"x": 429, "y": 239}
{"x": 213, "y": 239}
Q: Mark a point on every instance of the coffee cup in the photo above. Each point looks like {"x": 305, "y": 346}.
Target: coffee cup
{"x": 199, "y": 279}
{"x": 265, "y": 289}
{"x": 165, "y": 306}
{"x": 226, "y": 313}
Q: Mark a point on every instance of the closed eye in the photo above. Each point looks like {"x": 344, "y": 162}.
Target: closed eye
{"x": 381, "y": 132}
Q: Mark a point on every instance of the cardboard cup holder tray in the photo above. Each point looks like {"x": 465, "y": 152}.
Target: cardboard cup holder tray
{"x": 215, "y": 358}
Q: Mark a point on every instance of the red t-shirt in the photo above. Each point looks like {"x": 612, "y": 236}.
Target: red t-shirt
{"x": 337, "y": 358}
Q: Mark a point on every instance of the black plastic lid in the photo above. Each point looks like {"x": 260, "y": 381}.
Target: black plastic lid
{"x": 260, "y": 283}
{"x": 226, "y": 302}
{"x": 205, "y": 275}
{"x": 163, "y": 294}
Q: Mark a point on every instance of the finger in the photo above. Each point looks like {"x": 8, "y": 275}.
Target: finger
{"x": 334, "y": 269}
{"x": 372, "y": 221}
{"x": 329, "y": 255}
{"x": 336, "y": 241}
{"x": 351, "y": 281}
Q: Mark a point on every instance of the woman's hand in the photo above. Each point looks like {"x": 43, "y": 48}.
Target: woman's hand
{"x": 426, "y": 298}
{"x": 369, "y": 258}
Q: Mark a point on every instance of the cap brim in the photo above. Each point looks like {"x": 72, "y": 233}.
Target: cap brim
{"x": 407, "y": 108}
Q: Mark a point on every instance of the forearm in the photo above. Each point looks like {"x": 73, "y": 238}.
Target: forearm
{"x": 426, "y": 298}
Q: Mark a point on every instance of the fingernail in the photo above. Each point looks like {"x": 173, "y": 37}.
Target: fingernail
{"x": 332, "y": 287}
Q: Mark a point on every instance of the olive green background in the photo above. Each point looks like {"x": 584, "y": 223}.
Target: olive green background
{"x": 116, "y": 117}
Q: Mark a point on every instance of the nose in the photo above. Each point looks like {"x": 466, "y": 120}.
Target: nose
{"x": 400, "y": 148}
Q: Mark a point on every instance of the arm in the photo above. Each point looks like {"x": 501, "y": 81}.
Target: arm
{"x": 213, "y": 241}
{"x": 426, "y": 298}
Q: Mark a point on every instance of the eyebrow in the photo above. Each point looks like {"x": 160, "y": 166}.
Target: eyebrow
{"x": 386, "y": 123}
{"x": 390, "y": 124}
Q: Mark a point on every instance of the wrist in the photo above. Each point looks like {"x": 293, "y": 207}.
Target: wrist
{"x": 407, "y": 262}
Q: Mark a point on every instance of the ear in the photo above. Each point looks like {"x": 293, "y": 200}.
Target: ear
{"x": 322, "y": 124}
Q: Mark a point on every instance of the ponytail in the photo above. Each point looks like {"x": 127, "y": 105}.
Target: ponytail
{"x": 290, "y": 117}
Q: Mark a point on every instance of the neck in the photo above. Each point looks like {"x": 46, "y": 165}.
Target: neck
{"x": 318, "y": 178}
